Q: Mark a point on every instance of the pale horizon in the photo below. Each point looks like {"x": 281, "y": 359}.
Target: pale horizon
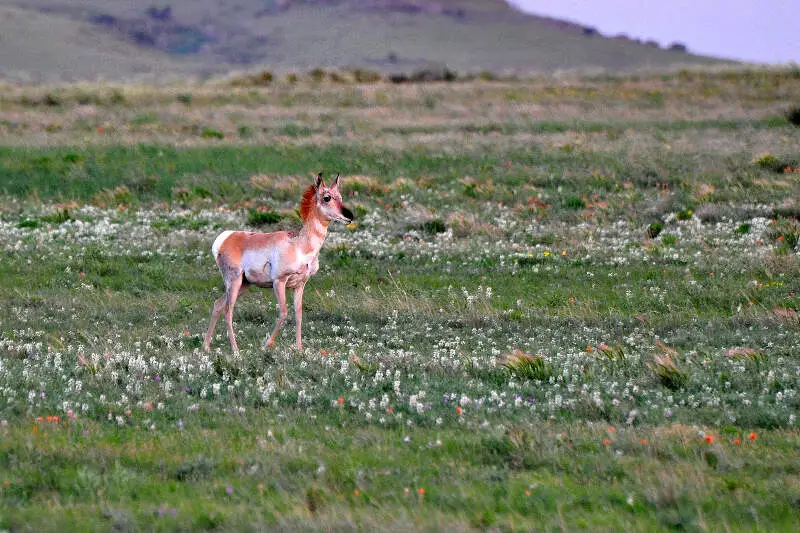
{"x": 746, "y": 31}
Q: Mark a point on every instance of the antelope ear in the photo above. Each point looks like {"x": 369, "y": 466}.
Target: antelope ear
{"x": 318, "y": 182}
{"x": 335, "y": 183}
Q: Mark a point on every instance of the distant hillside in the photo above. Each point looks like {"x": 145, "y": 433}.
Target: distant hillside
{"x": 78, "y": 39}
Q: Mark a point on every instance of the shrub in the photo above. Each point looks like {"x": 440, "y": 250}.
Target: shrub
{"x": 366, "y": 76}
{"x": 527, "y": 261}
{"x": 336, "y": 77}
{"x": 793, "y": 116}
{"x": 433, "y": 73}
{"x": 211, "y": 133}
{"x": 434, "y": 226}
{"x": 575, "y": 202}
{"x": 427, "y": 74}
{"x": 317, "y": 75}
{"x": 28, "y": 223}
{"x": 117, "y": 97}
{"x": 258, "y": 79}
{"x": 52, "y": 100}
{"x": 686, "y": 214}
{"x": 654, "y": 229}
{"x": 263, "y": 78}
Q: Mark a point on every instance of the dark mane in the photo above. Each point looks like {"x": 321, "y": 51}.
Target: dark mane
{"x": 307, "y": 203}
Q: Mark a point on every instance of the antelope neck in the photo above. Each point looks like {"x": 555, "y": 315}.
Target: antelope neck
{"x": 313, "y": 233}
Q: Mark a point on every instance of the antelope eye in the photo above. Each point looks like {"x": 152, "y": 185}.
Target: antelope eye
{"x": 326, "y": 199}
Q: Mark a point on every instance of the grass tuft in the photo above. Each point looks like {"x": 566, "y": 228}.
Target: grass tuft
{"x": 262, "y": 217}
{"x": 432, "y": 227}
{"x": 527, "y": 367}
{"x": 665, "y": 368}
{"x": 59, "y": 217}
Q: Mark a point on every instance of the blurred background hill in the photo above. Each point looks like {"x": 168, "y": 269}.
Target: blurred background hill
{"x": 51, "y": 40}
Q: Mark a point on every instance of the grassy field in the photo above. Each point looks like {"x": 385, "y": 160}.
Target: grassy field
{"x": 563, "y": 305}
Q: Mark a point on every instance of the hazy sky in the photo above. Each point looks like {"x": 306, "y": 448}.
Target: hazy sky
{"x": 761, "y": 31}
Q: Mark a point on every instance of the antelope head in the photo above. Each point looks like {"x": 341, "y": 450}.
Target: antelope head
{"x": 329, "y": 201}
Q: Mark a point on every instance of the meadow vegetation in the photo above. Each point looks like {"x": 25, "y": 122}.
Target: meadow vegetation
{"x": 563, "y": 305}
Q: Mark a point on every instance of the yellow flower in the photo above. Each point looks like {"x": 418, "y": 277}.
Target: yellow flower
{"x": 546, "y": 253}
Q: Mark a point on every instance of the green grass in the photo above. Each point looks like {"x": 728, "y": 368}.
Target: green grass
{"x": 580, "y": 332}
{"x": 250, "y": 472}
{"x": 162, "y": 173}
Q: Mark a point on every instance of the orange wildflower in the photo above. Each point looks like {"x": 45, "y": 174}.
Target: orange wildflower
{"x": 737, "y": 442}
{"x": 710, "y": 439}
{"x": 753, "y": 435}
{"x": 459, "y": 410}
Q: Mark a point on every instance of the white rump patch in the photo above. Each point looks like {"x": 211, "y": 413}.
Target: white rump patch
{"x": 218, "y": 243}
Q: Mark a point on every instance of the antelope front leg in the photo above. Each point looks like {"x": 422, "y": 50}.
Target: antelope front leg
{"x": 298, "y": 312}
{"x": 280, "y": 295}
{"x": 235, "y": 288}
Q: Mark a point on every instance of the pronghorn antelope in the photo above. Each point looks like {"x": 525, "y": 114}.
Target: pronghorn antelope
{"x": 279, "y": 260}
